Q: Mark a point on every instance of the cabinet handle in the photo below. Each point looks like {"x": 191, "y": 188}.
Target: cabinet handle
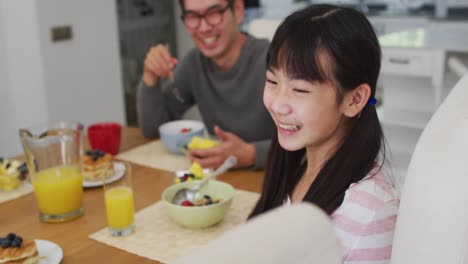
{"x": 399, "y": 61}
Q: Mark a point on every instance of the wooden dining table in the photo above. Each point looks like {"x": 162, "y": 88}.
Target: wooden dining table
{"x": 21, "y": 215}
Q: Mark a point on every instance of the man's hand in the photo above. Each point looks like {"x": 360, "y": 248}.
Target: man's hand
{"x": 230, "y": 145}
{"x": 158, "y": 64}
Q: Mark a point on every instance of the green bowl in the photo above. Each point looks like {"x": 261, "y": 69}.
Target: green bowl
{"x": 199, "y": 216}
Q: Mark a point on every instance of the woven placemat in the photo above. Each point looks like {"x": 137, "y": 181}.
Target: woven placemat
{"x": 155, "y": 155}
{"x": 158, "y": 238}
{"x": 24, "y": 189}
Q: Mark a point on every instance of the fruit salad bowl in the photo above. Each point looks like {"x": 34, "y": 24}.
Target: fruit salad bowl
{"x": 215, "y": 201}
{"x": 175, "y": 135}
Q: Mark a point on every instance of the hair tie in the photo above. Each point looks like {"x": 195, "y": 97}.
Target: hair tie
{"x": 372, "y": 101}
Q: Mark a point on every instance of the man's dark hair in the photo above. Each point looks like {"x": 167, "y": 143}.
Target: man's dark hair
{"x": 182, "y": 5}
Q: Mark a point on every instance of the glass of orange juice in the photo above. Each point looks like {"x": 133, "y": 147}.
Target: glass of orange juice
{"x": 119, "y": 200}
{"x": 54, "y": 158}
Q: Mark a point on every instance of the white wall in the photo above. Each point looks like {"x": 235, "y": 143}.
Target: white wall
{"x": 76, "y": 80}
{"x": 22, "y": 76}
{"x": 7, "y": 112}
{"x": 83, "y": 75}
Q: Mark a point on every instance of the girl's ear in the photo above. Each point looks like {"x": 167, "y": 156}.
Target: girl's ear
{"x": 355, "y": 100}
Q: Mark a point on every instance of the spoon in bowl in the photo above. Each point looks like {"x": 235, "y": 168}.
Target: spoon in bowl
{"x": 191, "y": 194}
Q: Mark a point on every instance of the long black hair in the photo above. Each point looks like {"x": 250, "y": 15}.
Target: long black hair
{"x": 349, "y": 43}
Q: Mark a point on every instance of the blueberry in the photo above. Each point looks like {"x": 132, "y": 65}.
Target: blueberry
{"x": 89, "y": 152}
{"x": 17, "y": 241}
{"x": 8, "y": 165}
{"x": 11, "y": 236}
{"x": 23, "y": 168}
{"x": 100, "y": 153}
{"x": 189, "y": 175}
{"x": 207, "y": 197}
{"x": 208, "y": 202}
{"x": 5, "y": 243}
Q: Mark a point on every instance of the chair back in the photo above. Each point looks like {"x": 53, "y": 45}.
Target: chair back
{"x": 299, "y": 234}
{"x": 432, "y": 224}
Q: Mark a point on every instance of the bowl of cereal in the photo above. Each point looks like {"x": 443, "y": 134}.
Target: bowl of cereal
{"x": 209, "y": 208}
{"x": 176, "y": 135}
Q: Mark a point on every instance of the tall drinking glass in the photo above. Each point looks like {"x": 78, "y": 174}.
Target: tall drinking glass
{"x": 119, "y": 201}
{"x": 54, "y": 158}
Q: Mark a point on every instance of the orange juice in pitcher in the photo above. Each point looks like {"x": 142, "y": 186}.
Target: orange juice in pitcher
{"x": 54, "y": 158}
{"x": 53, "y": 184}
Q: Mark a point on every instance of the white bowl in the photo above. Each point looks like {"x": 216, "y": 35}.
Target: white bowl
{"x": 174, "y": 139}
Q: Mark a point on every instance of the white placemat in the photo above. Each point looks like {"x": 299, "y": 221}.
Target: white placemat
{"x": 155, "y": 155}
{"x": 24, "y": 189}
{"x": 158, "y": 238}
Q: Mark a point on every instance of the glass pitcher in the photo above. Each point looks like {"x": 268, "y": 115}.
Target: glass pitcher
{"x": 54, "y": 158}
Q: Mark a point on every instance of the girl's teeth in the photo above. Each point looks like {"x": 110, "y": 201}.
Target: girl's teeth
{"x": 209, "y": 40}
{"x": 290, "y": 127}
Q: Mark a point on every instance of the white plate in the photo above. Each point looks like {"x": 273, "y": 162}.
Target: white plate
{"x": 49, "y": 252}
{"x": 119, "y": 171}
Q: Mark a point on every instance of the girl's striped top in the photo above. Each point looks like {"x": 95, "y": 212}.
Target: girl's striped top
{"x": 365, "y": 221}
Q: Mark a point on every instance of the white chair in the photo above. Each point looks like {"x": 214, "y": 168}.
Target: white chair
{"x": 432, "y": 225}
{"x": 300, "y": 234}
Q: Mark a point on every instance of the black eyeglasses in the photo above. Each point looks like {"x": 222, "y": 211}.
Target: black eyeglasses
{"x": 212, "y": 16}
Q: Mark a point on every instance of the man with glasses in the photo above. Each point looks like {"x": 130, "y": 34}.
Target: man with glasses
{"x": 224, "y": 75}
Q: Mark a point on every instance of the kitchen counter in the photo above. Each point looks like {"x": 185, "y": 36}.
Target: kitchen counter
{"x": 444, "y": 36}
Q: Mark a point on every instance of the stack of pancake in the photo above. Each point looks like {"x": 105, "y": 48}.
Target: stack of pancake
{"x": 97, "y": 165}
{"x": 26, "y": 254}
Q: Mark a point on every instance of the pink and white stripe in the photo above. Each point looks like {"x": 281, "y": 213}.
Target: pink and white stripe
{"x": 365, "y": 221}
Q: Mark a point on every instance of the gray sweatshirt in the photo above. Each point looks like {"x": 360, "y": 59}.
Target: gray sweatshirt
{"x": 231, "y": 99}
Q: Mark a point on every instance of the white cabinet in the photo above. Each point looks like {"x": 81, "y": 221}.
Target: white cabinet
{"x": 412, "y": 90}
{"x": 415, "y": 81}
